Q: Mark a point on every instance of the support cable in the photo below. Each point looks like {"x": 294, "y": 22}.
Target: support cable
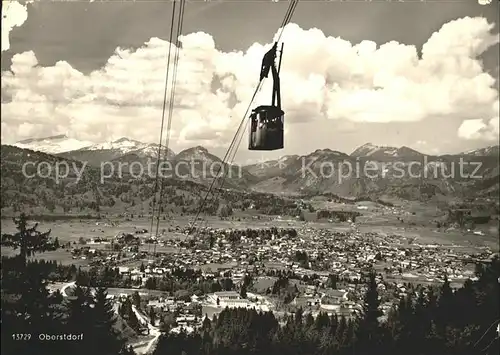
{"x": 171, "y": 106}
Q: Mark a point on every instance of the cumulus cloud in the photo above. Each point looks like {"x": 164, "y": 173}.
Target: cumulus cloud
{"x": 481, "y": 129}
{"x": 14, "y": 14}
{"x": 322, "y": 78}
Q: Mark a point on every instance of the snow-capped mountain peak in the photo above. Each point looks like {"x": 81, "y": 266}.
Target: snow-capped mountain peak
{"x": 326, "y": 152}
{"x": 53, "y": 145}
{"x": 376, "y": 152}
{"x": 370, "y": 149}
{"x": 125, "y": 145}
{"x": 493, "y": 150}
{"x": 63, "y": 144}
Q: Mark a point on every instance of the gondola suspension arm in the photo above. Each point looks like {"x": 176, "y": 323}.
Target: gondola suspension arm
{"x": 231, "y": 152}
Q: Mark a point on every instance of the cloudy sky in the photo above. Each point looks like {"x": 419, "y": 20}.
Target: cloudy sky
{"x": 420, "y": 74}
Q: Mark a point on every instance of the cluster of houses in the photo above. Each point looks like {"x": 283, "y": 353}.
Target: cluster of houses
{"x": 347, "y": 254}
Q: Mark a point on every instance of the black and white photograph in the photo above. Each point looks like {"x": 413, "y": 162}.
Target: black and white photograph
{"x": 250, "y": 177}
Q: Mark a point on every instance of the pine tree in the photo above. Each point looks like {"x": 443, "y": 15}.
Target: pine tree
{"x": 309, "y": 321}
{"x": 27, "y": 239}
{"x": 77, "y": 309}
{"x": 350, "y": 340}
{"x": 26, "y": 304}
{"x": 105, "y": 337}
{"x": 421, "y": 325}
{"x": 129, "y": 315}
{"x": 371, "y": 303}
{"x": 243, "y": 291}
{"x": 368, "y": 332}
{"x": 152, "y": 316}
{"x": 445, "y": 305}
{"x": 136, "y": 299}
{"x": 206, "y": 325}
{"x": 298, "y": 316}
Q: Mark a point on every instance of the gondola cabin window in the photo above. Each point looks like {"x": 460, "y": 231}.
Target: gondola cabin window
{"x": 266, "y": 131}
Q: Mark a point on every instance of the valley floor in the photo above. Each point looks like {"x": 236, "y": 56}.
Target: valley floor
{"x": 73, "y": 230}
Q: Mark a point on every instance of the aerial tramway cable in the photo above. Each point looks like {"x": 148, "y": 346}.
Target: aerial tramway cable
{"x": 171, "y": 106}
{"x": 224, "y": 160}
{"x": 286, "y": 20}
{"x": 162, "y": 120}
{"x": 171, "y": 37}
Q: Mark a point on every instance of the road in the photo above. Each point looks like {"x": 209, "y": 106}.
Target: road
{"x": 65, "y": 286}
{"x": 111, "y": 290}
{"x": 148, "y": 347}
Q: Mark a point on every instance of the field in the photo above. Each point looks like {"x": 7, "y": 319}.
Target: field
{"x": 413, "y": 220}
{"x": 72, "y": 230}
{"x": 60, "y": 256}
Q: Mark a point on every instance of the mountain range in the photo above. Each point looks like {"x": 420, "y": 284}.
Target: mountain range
{"x": 369, "y": 170}
{"x": 65, "y": 146}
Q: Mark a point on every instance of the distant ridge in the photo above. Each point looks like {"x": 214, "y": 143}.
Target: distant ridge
{"x": 288, "y": 176}
{"x": 31, "y": 140}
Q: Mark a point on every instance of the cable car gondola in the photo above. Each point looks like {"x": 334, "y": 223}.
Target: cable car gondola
{"x": 267, "y": 122}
